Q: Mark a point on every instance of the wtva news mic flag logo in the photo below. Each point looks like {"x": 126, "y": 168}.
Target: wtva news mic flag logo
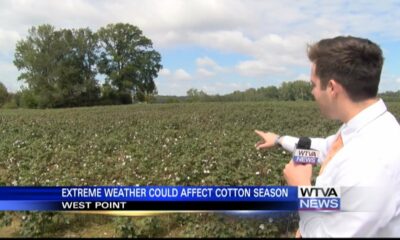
{"x": 306, "y": 156}
{"x": 319, "y": 198}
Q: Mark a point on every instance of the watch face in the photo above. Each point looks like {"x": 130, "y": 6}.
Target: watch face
{"x": 277, "y": 141}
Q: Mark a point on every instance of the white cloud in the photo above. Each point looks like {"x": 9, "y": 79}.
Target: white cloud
{"x": 181, "y": 75}
{"x": 257, "y": 68}
{"x": 22, "y": 14}
{"x": 227, "y": 41}
{"x": 205, "y": 73}
{"x": 171, "y": 87}
{"x": 272, "y": 35}
{"x": 208, "y": 22}
{"x": 205, "y": 62}
{"x": 8, "y": 74}
{"x": 206, "y": 67}
{"x": 398, "y": 80}
{"x": 272, "y": 53}
{"x": 178, "y": 75}
{"x": 8, "y": 39}
{"x": 303, "y": 76}
{"x": 224, "y": 88}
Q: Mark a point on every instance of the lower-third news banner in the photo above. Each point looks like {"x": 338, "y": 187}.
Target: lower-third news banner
{"x": 170, "y": 198}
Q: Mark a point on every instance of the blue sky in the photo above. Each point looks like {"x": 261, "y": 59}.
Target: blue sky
{"x": 217, "y": 46}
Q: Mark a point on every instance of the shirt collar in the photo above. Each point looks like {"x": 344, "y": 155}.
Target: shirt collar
{"x": 361, "y": 119}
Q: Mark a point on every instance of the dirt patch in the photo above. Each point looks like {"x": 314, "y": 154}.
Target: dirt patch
{"x": 11, "y": 230}
{"x": 97, "y": 231}
{"x": 3, "y": 176}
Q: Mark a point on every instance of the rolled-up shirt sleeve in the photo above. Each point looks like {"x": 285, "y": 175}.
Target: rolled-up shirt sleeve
{"x": 289, "y": 143}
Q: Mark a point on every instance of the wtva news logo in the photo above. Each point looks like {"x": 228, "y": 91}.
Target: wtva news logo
{"x": 319, "y": 198}
{"x": 306, "y": 156}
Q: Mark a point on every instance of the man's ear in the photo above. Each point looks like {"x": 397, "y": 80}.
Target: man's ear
{"x": 334, "y": 87}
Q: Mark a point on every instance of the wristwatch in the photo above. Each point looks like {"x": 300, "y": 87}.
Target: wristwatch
{"x": 277, "y": 141}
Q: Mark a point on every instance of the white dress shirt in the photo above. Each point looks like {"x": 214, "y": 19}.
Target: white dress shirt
{"x": 367, "y": 168}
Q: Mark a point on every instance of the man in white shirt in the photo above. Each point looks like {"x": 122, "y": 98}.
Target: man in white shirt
{"x": 363, "y": 157}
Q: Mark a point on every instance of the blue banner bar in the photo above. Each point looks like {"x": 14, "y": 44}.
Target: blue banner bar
{"x": 151, "y": 193}
{"x": 160, "y": 198}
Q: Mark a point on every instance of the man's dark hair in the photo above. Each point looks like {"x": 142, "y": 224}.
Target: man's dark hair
{"x": 355, "y": 63}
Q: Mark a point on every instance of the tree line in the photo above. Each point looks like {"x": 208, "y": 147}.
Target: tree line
{"x": 298, "y": 90}
{"x": 287, "y": 91}
{"x": 60, "y": 67}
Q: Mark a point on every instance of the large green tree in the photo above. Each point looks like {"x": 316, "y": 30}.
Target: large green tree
{"x": 270, "y": 92}
{"x": 296, "y": 90}
{"x": 195, "y": 95}
{"x": 58, "y": 66}
{"x": 128, "y": 60}
{"x": 3, "y": 94}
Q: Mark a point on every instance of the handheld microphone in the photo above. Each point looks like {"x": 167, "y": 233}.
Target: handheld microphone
{"x": 303, "y": 154}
